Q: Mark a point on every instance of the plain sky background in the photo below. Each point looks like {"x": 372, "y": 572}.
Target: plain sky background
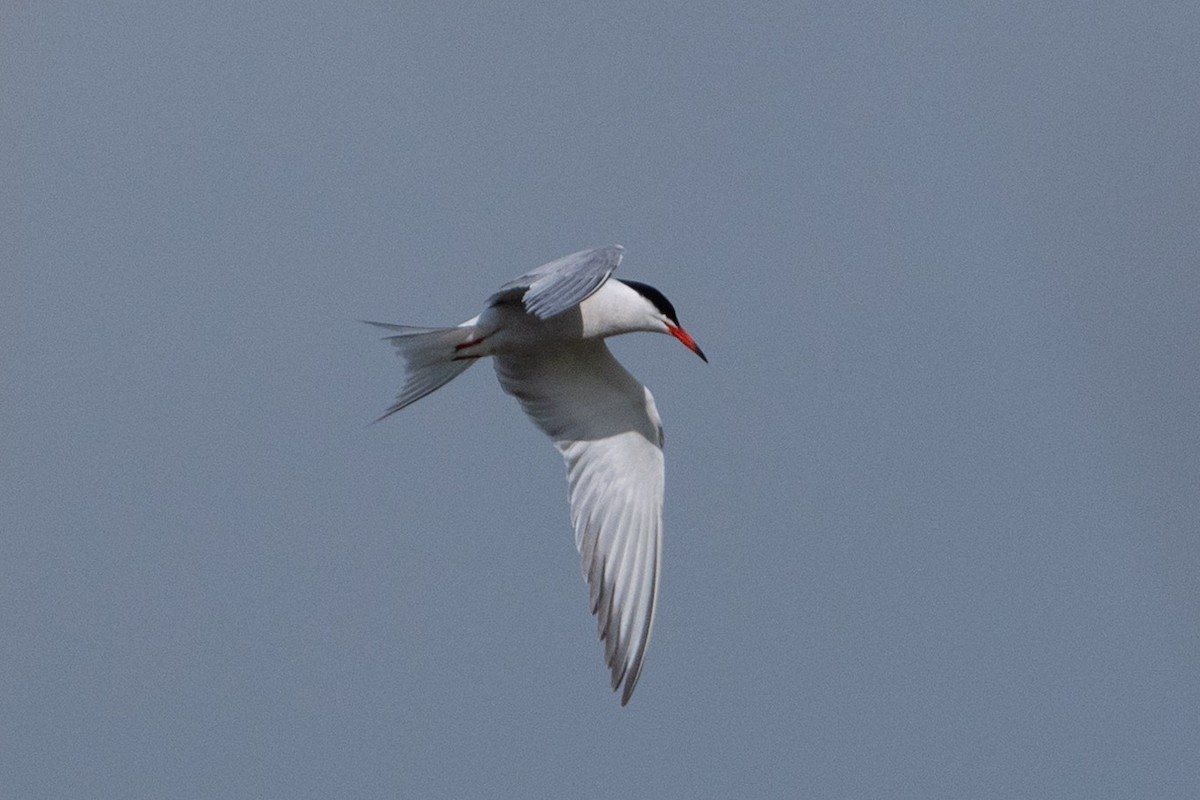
{"x": 932, "y": 510}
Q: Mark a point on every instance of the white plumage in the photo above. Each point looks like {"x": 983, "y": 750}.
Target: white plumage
{"x": 546, "y": 331}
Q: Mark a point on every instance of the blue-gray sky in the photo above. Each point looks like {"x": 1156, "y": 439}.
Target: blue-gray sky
{"x": 931, "y": 510}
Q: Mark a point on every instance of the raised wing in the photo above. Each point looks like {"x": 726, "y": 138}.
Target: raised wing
{"x": 606, "y": 426}
{"x": 563, "y": 283}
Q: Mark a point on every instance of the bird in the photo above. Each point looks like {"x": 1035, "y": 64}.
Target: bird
{"x": 545, "y": 332}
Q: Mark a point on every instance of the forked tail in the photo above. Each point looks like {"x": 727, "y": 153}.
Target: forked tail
{"x": 430, "y": 359}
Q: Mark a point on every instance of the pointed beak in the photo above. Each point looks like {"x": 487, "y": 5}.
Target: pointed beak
{"x": 688, "y": 341}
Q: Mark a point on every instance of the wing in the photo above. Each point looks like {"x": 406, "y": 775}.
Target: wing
{"x": 563, "y": 283}
{"x": 606, "y": 426}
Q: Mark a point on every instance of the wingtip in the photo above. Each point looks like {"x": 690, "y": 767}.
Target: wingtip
{"x": 625, "y": 679}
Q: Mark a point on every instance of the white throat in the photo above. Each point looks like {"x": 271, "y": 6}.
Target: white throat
{"x": 615, "y": 309}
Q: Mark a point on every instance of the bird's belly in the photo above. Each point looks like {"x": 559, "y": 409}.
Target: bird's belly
{"x": 508, "y": 330}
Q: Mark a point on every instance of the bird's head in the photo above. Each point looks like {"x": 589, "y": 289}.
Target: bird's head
{"x": 663, "y": 316}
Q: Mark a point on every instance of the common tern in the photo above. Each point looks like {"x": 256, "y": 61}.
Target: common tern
{"x": 545, "y": 332}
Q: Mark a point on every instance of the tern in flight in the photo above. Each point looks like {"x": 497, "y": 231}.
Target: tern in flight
{"x": 545, "y": 332}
